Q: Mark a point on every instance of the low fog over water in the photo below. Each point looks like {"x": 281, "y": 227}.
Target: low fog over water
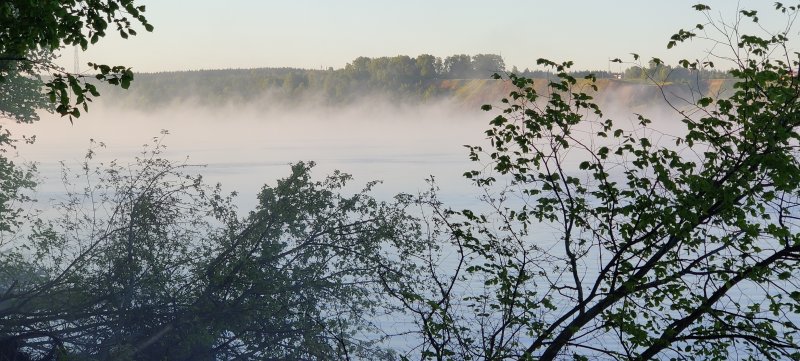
{"x": 244, "y": 147}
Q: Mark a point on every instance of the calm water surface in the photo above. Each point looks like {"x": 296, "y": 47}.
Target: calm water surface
{"x": 245, "y": 148}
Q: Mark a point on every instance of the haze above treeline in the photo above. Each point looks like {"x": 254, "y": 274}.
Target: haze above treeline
{"x": 401, "y": 78}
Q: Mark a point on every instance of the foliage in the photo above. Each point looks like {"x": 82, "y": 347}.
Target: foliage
{"x": 145, "y": 262}
{"x": 401, "y": 77}
{"x": 682, "y": 249}
{"x": 32, "y": 27}
{"x": 21, "y": 90}
{"x": 31, "y": 32}
{"x": 14, "y": 183}
{"x": 658, "y": 72}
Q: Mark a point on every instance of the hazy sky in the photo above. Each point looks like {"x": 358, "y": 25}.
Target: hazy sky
{"x": 204, "y": 34}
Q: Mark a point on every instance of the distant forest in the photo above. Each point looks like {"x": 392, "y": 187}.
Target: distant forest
{"x": 401, "y": 77}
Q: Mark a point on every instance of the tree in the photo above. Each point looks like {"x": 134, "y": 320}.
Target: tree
{"x": 683, "y": 249}
{"x": 31, "y": 32}
{"x": 458, "y": 66}
{"x": 485, "y": 65}
{"x": 32, "y": 27}
{"x": 294, "y": 83}
{"x": 21, "y": 90}
{"x": 426, "y": 64}
{"x": 145, "y": 262}
{"x": 359, "y": 69}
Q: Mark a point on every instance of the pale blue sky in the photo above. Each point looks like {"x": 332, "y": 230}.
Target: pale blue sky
{"x": 202, "y": 34}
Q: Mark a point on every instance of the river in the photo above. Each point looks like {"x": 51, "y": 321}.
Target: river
{"x": 245, "y": 147}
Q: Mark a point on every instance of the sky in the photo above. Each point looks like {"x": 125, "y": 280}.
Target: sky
{"x": 204, "y": 34}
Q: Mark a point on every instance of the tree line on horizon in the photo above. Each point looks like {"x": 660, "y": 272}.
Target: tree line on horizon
{"x": 402, "y": 77}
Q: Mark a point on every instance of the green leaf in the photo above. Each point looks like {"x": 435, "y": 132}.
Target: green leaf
{"x": 704, "y": 102}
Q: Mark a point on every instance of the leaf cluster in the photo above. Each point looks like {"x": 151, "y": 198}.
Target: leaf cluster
{"x": 602, "y": 241}
{"x": 32, "y": 27}
{"x": 144, "y": 261}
